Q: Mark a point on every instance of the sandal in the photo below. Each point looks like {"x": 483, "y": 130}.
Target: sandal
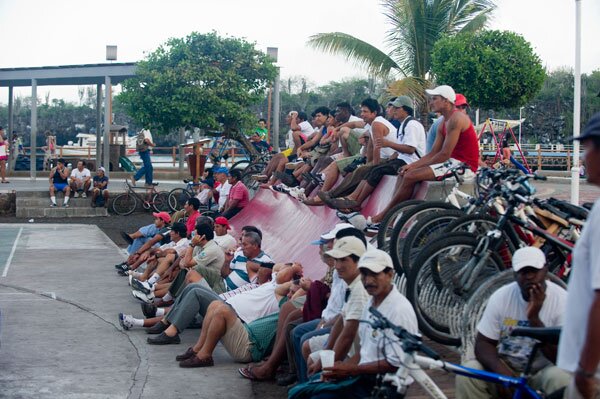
{"x": 247, "y": 373}
{"x": 5, "y": 181}
{"x": 313, "y": 202}
{"x": 342, "y": 203}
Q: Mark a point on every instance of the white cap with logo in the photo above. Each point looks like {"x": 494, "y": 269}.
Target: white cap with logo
{"x": 375, "y": 260}
{"x": 445, "y": 91}
{"x": 528, "y": 257}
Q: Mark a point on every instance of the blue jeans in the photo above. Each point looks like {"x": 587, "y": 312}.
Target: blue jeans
{"x": 302, "y": 333}
{"x": 519, "y": 165}
{"x": 146, "y": 168}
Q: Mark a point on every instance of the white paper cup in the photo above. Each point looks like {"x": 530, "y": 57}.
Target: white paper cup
{"x": 327, "y": 358}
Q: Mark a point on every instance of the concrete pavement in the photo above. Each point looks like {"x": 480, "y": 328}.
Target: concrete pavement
{"x": 60, "y": 336}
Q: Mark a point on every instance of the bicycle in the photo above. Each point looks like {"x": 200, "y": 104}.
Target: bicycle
{"x": 179, "y": 196}
{"x": 412, "y": 365}
{"x": 125, "y": 203}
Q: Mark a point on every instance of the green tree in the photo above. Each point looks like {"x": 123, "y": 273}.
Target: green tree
{"x": 202, "y": 80}
{"x": 415, "y": 26}
{"x": 494, "y": 69}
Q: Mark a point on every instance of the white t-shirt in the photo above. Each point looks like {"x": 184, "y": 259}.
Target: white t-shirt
{"x": 506, "y": 309}
{"x": 225, "y": 241}
{"x": 376, "y": 344}
{"x": 356, "y": 300}
{"x": 414, "y": 136}
{"x": 336, "y": 298}
{"x": 223, "y": 191}
{"x": 385, "y": 152}
{"x": 179, "y": 246}
{"x": 259, "y": 302}
{"x": 354, "y": 118}
{"x": 306, "y": 128}
{"x": 203, "y": 196}
{"x": 583, "y": 282}
{"x": 75, "y": 173}
{"x": 148, "y": 135}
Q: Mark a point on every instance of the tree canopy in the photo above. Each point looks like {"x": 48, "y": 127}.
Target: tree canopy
{"x": 493, "y": 69}
{"x": 202, "y": 80}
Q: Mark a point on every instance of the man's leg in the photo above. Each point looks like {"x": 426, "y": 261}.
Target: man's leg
{"x": 219, "y": 317}
{"x": 67, "y": 191}
{"x": 550, "y": 379}
{"x": 294, "y": 344}
{"x": 145, "y": 156}
{"x": 52, "y": 194}
{"x": 193, "y": 300}
{"x": 86, "y": 186}
{"x": 331, "y": 176}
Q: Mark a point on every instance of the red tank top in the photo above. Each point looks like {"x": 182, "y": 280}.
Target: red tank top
{"x": 467, "y": 147}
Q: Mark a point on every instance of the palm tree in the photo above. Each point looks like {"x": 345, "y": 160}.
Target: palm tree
{"x": 416, "y": 25}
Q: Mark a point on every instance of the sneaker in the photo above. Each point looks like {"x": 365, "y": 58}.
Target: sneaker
{"x": 120, "y": 265}
{"x": 260, "y": 178}
{"x": 127, "y": 238}
{"x": 140, "y": 296}
{"x": 298, "y": 193}
{"x": 142, "y": 286}
{"x": 372, "y": 227}
{"x": 65, "y": 205}
{"x": 282, "y": 188}
{"x": 53, "y": 205}
{"x": 123, "y": 269}
{"x": 76, "y": 195}
{"x": 125, "y": 321}
{"x": 292, "y": 165}
{"x": 346, "y": 216}
{"x": 83, "y": 195}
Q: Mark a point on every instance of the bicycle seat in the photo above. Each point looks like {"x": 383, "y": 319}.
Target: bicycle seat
{"x": 547, "y": 335}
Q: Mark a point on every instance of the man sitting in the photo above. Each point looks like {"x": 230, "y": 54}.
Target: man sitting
{"x": 456, "y": 143}
{"x": 238, "y": 195}
{"x": 141, "y": 236}
{"x": 204, "y": 260}
{"x": 100, "y": 189}
{"x": 58, "y": 182}
{"x": 190, "y": 213}
{"x": 223, "y": 239}
{"x": 81, "y": 179}
{"x": 530, "y": 301}
{"x": 409, "y": 145}
{"x": 379, "y": 350}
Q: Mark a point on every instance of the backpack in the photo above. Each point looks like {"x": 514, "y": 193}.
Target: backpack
{"x": 140, "y": 144}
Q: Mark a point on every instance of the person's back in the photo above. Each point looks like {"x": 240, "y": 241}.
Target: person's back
{"x": 466, "y": 148}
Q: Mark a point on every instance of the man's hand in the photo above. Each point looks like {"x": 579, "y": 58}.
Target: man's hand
{"x": 305, "y": 283}
{"x": 403, "y": 170}
{"x": 339, "y": 371}
{"x": 382, "y": 142}
{"x": 313, "y": 366}
{"x": 585, "y": 385}
{"x": 504, "y": 392}
{"x": 196, "y": 240}
{"x": 536, "y": 301}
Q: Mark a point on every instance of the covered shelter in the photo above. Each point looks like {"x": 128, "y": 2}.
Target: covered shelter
{"x": 89, "y": 74}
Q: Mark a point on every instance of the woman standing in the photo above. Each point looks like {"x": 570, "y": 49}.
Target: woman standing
{"x": 3, "y": 156}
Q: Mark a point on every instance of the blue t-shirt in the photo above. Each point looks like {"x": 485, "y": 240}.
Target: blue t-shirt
{"x": 98, "y": 179}
{"x": 432, "y": 133}
{"x": 148, "y": 232}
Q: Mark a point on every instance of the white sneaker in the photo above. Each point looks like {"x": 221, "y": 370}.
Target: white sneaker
{"x": 125, "y": 320}
{"x": 83, "y": 195}
{"x": 130, "y": 278}
{"x": 76, "y": 195}
{"x": 297, "y": 192}
{"x": 143, "y": 297}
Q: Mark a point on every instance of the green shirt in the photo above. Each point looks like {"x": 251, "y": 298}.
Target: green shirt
{"x": 209, "y": 260}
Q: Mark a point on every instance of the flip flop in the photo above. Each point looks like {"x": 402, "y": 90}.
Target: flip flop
{"x": 342, "y": 203}
{"x": 6, "y": 181}
{"x": 247, "y": 373}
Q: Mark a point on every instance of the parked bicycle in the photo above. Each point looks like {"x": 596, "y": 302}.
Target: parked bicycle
{"x": 127, "y": 202}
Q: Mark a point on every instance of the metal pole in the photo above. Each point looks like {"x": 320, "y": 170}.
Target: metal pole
{"x": 33, "y": 124}
{"x": 98, "y": 125}
{"x": 106, "y": 144}
{"x": 576, "y": 106}
{"x": 181, "y": 143}
{"x": 276, "y": 112}
{"x": 14, "y": 151}
{"x": 520, "y": 123}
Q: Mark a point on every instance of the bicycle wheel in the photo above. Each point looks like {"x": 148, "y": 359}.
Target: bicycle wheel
{"x": 408, "y": 220}
{"x": 427, "y": 229}
{"x": 160, "y": 202}
{"x": 434, "y": 286}
{"x": 247, "y": 179}
{"x": 241, "y": 165}
{"x": 389, "y": 220}
{"x": 177, "y": 197}
{"x": 124, "y": 204}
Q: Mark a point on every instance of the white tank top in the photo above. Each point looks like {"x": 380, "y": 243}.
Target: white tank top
{"x": 385, "y": 152}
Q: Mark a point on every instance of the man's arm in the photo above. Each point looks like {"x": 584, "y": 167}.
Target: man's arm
{"x": 486, "y": 353}
{"x": 188, "y": 260}
{"x": 314, "y": 140}
{"x": 335, "y": 332}
{"x": 226, "y": 268}
{"x": 378, "y": 130}
{"x": 150, "y": 243}
{"x": 345, "y": 339}
{"x": 370, "y": 151}
{"x": 351, "y": 368}
{"x": 590, "y": 352}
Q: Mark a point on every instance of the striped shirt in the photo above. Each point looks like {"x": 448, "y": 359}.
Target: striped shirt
{"x": 239, "y": 273}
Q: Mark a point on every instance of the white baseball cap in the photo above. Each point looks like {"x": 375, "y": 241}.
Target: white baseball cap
{"x": 445, "y": 91}
{"x": 528, "y": 257}
{"x": 375, "y": 260}
{"x": 347, "y": 246}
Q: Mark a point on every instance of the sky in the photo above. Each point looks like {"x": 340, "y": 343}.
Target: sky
{"x": 67, "y": 32}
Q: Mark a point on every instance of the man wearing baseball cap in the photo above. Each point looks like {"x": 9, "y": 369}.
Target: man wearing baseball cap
{"x": 530, "y": 301}
{"x": 99, "y": 188}
{"x": 579, "y": 349}
{"x": 377, "y": 354}
{"x": 223, "y": 239}
{"x": 222, "y": 186}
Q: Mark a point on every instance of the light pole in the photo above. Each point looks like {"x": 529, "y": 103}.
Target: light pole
{"x": 272, "y": 52}
{"x": 576, "y": 106}
{"x": 520, "y": 123}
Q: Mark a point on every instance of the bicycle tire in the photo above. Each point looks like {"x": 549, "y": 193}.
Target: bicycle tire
{"x": 389, "y": 220}
{"x": 241, "y": 165}
{"x": 431, "y": 288}
{"x": 466, "y": 327}
{"x": 427, "y": 229}
{"x": 124, "y": 204}
{"x": 178, "y": 197}
{"x": 247, "y": 179}
{"x": 160, "y": 202}
{"x": 402, "y": 228}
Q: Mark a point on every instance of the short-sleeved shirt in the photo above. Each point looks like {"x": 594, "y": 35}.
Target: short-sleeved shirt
{"x": 210, "y": 255}
{"x": 98, "y": 179}
{"x": 259, "y": 302}
{"x": 357, "y": 298}
{"x": 336, "y": 298}
{"x": 239, "y": 273}
{"x": 584, "y": 282}
{"x": 180, "y": 246}
{"x": 190, "y": 223}
{"x": 225, "y": 241}
{"x": 164, "y": 233}
{"x": 223, "y": 190}
{"x": 378, "y": 345}
{"x": 506, "y": 310}
{"x": 239, "y": 192}
{"x": 414, "y": 136}
{"x": 77, "y": 174}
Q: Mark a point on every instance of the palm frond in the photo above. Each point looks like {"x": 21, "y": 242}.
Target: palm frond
{"x": 360, "y": 52}
{"x": 410, "y": 86}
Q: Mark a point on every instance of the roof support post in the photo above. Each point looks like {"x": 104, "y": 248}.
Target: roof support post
{"x": 33, "y": 124}
{"x": 14, "y": 151}
{"x": 98, "y": 125}
{"x": 107, "y": 117}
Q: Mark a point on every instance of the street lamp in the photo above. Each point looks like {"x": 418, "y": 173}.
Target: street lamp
{"x": 520, "y": 123}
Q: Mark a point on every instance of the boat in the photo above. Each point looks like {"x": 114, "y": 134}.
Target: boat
{"x": 85, "y": 145}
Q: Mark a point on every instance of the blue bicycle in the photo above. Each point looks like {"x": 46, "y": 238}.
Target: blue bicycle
{"x": 395, "y": 385}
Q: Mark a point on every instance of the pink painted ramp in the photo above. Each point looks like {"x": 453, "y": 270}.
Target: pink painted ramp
{"x": 380, "y": 197}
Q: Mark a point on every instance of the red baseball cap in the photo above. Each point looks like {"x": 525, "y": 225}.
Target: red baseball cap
{"x": 163, "y": 215}
{"x": 223, "y": 222}
{"x": 460, "y": 100}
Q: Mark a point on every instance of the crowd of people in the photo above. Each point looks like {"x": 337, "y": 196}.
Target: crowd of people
{"x": 189, "y": 271}
{"x": 78, "y": 183}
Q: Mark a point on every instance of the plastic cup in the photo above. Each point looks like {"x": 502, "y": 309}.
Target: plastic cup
{"x": 327, "y": 358}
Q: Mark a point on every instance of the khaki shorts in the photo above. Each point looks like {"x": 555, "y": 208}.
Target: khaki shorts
{"x": 440, "y": 169}
{"x": 342, "y": 163}
{"x": 352, "y": 142}
{"x": 237, "y": 342}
